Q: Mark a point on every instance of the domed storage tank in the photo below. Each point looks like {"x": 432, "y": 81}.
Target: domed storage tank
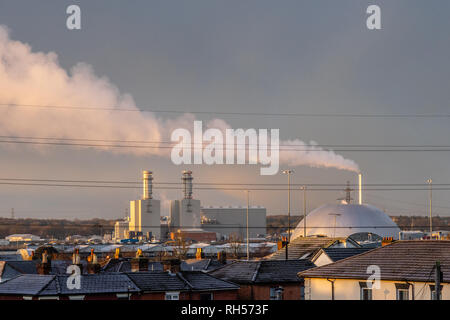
{"x": 344, "y": 220}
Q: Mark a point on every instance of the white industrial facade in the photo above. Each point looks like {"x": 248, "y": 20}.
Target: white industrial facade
{"x": 228, "y": 221}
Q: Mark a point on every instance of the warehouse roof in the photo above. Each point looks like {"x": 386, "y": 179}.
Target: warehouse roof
{"x": 398, "y": 261}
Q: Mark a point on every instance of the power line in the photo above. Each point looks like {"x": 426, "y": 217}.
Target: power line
{"x": 260, "y": 114}
{"x": 237, "y": 144}
{"x": 207, "y": 188}
{"x": 281, "y": 148}
{"x": 221, "y": 183}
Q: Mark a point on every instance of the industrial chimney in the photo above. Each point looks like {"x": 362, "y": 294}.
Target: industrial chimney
{"x": 147, "y": 178}
{"x": 360, "y": 187}
{"x": 187, "y": 183}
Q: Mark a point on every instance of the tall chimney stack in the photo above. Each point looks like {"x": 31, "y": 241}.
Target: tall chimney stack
{"x": 187, "y": 183}
{"x": 147, "y": 178}
{"x": 360, "y": 187}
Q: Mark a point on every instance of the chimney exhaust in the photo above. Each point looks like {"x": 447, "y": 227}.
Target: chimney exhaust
{"x": 360, "y": 187}
{"x": 187, "y": 183}
{"x": 147, "y": 178}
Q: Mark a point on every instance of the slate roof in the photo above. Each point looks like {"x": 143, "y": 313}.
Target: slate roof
{"x": 263, "y": 271}
{"x": 55, "y": 285}
{"x": 309, "y": 245}
{"x": 336, "y": 254}
{"x": 11, "y": 269}
{"x": 183, "y": 281}
{"x": 158, "y": 281}
{"x": 202, "y": 281}
{"x": 124, "y": 265}
{"x": 398, "y": 261}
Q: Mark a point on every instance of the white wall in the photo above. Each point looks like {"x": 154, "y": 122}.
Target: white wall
{"x": 345, "y": 289}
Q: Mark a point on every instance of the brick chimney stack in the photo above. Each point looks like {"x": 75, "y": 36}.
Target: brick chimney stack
{"x": 93, "y": 265}
{"x": 45, "y": 266}
{"x": 172, "y": 265}
{"x": 140, "y": 263}
{"x": 76, "y": 259}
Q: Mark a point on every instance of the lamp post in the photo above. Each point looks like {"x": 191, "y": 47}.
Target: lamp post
{"x": 430, "y": 183}
{"x": 334, "y": 228}
{"x": 304, "y": 210}
{"x": 289, "y": 172}
{"x": 248, "y": 249}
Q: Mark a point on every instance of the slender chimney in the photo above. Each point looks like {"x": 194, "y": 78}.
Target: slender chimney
{"x": 187, "y": 183}
{"x": 147, "y": 178}
{"x": 360, "y": 187}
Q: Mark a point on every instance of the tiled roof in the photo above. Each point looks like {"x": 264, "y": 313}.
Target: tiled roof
{"x": 51, "y": 285}
{"x": 183, "y": 281}
{"x": 399, "y": 261}
{"x": 336, "y": 254}
{"x": 202, "y": 281}
{"x": 263, "y": 271}
{"x": 158, "y": 281}
{"x": 301, "y": 246}
{"x": 124, "y": 265}
{"x": 26, "y": 284}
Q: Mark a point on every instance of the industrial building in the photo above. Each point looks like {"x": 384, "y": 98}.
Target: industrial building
{"x": 187, "y": 217}
{"x": 226, "y": 221}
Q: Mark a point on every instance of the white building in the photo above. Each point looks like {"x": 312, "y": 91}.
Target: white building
{"x": 22, "y": 237}
{"x": 402, "y": 270}
{"x": 227, "y": 221}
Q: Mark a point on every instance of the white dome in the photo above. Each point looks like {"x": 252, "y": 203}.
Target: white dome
{"x": 353, "y": 218}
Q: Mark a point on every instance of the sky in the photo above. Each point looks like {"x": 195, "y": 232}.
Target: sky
{"x": 252, "y": 56}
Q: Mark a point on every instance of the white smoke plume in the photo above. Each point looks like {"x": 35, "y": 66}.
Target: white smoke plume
{"x": 36, "y": 79}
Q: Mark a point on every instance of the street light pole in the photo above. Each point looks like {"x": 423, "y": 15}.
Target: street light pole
{"x": 248, "y": 249}
{"x": 430, "y": 182}
{"x": 334, "y": 228}
{"x": 289, "y": 172}
{"x": 304, "y": 211}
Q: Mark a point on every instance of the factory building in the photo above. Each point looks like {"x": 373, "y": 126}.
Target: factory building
{"x": 226, "y": 221}
{"x": 185, "y": 213}
{"x": 145, "y": 214}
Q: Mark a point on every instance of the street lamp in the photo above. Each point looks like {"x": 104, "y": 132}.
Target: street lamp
{"x": 334, "y": 228}
{"x": 430, "y": 183}
{"x": 248, "y": 249}
{"x": 289, "y": 172}
{"x": 304, "y": 210}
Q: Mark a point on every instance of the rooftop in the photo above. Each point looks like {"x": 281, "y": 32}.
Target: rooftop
{"x": 399, "y": 261}
{"x": 263, "y": 271}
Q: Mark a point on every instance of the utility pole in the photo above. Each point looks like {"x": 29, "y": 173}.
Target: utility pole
{"x": 430, "y": 183}
{"x": 437, "y": 281}
{"x": 304, "y": 211}
{"x": 334, "y": 228}
{"x": 289, "y": 172}
{"x": 248, "y": 204}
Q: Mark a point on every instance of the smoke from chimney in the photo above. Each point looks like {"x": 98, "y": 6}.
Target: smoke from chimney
{"x": 32, "y": 79}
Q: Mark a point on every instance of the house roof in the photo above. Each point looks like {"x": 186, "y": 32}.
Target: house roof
{"x": 161, "y": 281}
{"x": 158, "y": 281}
{"x": 263, "y": 271}
{"x": 398, "y": 261}
{"x": 51, "y": 285}
{"x": 309, "y": 245}
{"x": 202, "y": 281}
{"x": 336, "y": 254}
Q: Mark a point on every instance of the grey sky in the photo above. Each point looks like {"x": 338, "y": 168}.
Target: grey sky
{"x": 254, "y": 56}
